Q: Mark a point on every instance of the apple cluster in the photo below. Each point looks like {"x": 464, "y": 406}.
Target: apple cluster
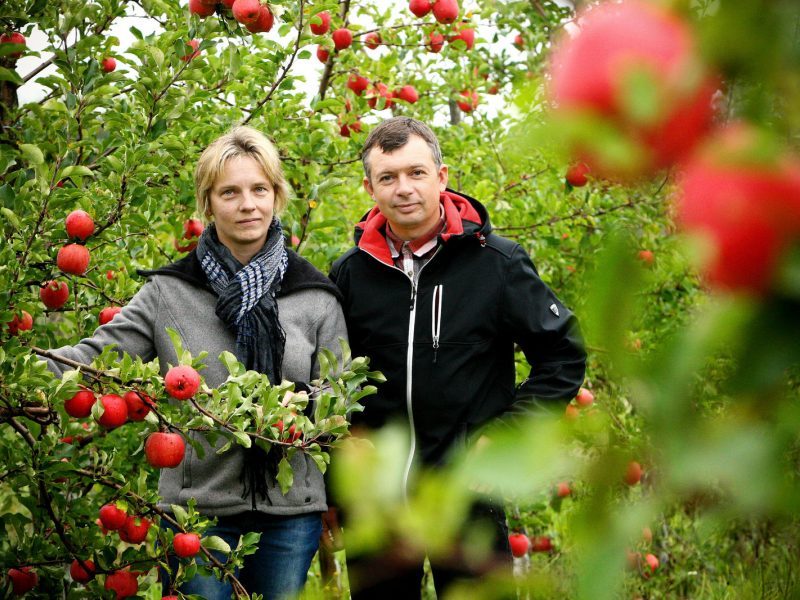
{"x": 255, "y": 16}
{"x": 745, "y": 208}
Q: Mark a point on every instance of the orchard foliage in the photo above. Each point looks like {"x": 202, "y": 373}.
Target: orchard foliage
{"x": 695, "y": 386}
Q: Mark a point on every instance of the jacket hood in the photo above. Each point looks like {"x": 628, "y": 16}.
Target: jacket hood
{"x": 465, "y": 218}
{"x": 300, "y": 274}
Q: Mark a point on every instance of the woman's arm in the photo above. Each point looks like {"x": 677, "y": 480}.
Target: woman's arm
{"x": 130, "y": 331}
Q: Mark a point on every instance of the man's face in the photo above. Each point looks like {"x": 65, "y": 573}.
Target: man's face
{"x": 405, "y": 185}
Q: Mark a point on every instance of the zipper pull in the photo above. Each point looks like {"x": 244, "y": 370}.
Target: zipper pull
{"x": 413, "y": 296}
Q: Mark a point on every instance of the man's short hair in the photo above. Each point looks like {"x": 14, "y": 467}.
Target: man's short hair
{"x": 393, "y": 133}
{"x": 240, "y": 141}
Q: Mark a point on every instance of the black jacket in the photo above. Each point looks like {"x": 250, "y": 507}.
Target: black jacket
{"x": 489, "y": 298}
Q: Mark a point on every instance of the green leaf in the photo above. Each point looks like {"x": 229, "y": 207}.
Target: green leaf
{"x": 32, "y": 154}
{"x": 9, "y": 75}
{"x": 10, "y": 217}
{"x": 214, "y": 542}
{"x": 243, "y": 438}
{"x": 181, "y": 516}
{"x": 285, "y": 475}
{"x": 76, "y": 170}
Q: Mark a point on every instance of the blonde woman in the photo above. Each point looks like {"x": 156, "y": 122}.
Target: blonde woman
{"x": 243, "y": 291}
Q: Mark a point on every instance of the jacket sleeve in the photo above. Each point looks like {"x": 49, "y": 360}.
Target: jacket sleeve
{"x": 130, "y": 331}
{"x": 548, "y": 334}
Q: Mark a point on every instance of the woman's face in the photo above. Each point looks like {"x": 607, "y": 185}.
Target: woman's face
{"x": 241, "y": 203}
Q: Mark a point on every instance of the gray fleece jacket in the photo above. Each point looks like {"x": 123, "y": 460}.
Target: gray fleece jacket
{"x": 179, "y": 297}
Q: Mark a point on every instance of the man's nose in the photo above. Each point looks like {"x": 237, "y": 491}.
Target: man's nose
{"x": 404, "y": 185}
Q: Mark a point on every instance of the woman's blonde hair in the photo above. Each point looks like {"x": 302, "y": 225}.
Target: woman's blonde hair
{"x": 240, "y": 141}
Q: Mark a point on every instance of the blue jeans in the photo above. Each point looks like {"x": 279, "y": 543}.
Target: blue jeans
{"x": 277, "y": 570}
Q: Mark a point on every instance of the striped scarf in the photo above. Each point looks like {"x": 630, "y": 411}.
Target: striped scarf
{"x": 246, "y": 297}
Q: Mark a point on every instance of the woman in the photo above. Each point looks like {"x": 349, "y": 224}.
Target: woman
{"x": 240, "y": 290}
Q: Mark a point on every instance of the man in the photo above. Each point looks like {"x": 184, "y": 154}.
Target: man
{"x": 438, "y": 302}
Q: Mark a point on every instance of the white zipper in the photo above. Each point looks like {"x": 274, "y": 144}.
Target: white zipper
{"x": 436, "y": 318}
{"x": 409, "y": 380}
{"x": 410, "y": 363}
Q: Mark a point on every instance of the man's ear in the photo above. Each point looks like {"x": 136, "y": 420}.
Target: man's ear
{"x": 443, "y": 177}
{"x": 367, "y": 186}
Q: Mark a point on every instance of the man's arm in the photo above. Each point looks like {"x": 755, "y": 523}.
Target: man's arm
{"x": 548, "y": 334}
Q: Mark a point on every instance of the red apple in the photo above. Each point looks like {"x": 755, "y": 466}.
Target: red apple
{"x": 342, "y": 38}
{"x": 615, "y": 45}
{"x": 139, "y": 404}
{"x": 652, "y": 564}
{"x": 108, "y": 313}
{"x": 563, "y": 490}
{"x": 135, "y": 530}
{"x": 263, "y": 23}
{"x": 54, "y": 294}
{"x": 541, "y": 543}
{"x": 577, "y": 174}
{"x": 195, "y": 46}
{"x": 322, "y": 54}
{"x": 646, "y": 256}
{"x": 571, "y": 412}
{"x": 647, "y": 535}
{"x": 192, "y": 228}
{"x": 584, "y": 397}
{"x": 346, "y": 128}
{"x": 115, "y": 411}
{"x": 80, "y": 405}
{"x": 186, "y": 544}
{"x": 246, "y": 11}
{"x": 520, "y": 544}
{"x": 435, "y": 42}
{"x": 379, "y": 90}
{"x": 23, "y": 580}
{"x": 108, "y": 64}
{"x": 122, "y": 583}
{"x": 112, "y": 517}
{"x": 494, "y": 89}
{"x": 20, "y": 322}
{"x": 164, "y": 450}
{"x": 633, "y": 473}
{"x": 109, "y": 274}
{"x": 420, "y": 8}
{"x": 78, "y": 573}
{"x": 73, "y": 259}
{"x": 741, "y": 193}
{"x": 466, "y": 35}
{"x": 357, "y": 83}
{"x": 181, "y": 382}
{"x": 372, "y": 40}
{"x": 292, "y": 434}
{"x": 14, "y": 37}
{"x": 468, "y": 100}
{"x": 407, "y": 93}
{"x": 79, "y": 224}
{"x": 201, "y": 8}
{"x": 321, "y": 23}
{"x": 445, "y": 11}
{"x": 519, "y": 41}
